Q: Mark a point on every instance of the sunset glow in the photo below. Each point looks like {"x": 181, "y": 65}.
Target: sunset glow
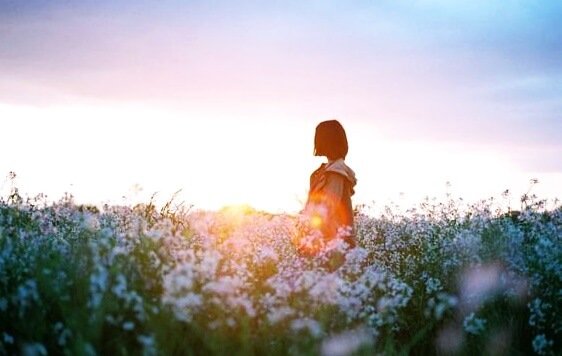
{"x": 318, "y": 177}
{"x": 96, "y": 104}
{"x": 126, "y": 154}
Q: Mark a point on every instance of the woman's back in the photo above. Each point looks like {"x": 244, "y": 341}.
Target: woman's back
{"x": 331, "y": 188}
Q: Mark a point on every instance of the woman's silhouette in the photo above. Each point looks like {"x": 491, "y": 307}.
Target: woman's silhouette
{"x": 331, "y": 185}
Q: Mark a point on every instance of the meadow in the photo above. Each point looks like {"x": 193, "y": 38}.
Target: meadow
{"x": 444, "y": 277}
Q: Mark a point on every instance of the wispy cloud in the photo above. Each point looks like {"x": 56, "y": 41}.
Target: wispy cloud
{"x": 484, "y": 71}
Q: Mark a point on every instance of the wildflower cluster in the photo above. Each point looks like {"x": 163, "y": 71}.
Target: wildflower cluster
{"x": 443, "y": 277}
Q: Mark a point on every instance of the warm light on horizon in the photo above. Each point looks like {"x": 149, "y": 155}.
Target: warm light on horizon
{"x": 116, "y": 101}
{"x": 101, "y": 154}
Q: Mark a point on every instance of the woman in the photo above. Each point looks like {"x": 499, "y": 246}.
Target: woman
{"x": 331, "y": 186}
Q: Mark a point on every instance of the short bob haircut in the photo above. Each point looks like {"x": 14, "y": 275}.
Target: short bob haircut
{"x": 330, "y": 140}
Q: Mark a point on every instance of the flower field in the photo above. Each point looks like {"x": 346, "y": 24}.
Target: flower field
{"x": 441, "y": 278}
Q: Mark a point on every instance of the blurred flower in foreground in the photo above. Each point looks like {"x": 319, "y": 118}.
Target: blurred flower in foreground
{"x": 346, "y": 343}
{"x": 310, "y": 325}
{"x": 478, "y": 284}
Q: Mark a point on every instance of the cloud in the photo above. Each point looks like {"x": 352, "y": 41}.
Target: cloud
{"x": 484, "y": 72}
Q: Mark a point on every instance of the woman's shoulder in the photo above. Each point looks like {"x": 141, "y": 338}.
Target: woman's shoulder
{"x": 341, "y": 168}
{"x": 319, "y": 171}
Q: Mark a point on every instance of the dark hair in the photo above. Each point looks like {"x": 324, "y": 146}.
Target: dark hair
{"x": 330, "y": 140}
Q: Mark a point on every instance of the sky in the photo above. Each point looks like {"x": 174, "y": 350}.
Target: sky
{"x": 116, "y": 100}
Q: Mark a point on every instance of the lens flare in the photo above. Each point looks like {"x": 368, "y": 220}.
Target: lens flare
{"x": 316, "y": 221}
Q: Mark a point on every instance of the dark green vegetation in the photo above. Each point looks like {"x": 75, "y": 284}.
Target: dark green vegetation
{"x": 444, "y": 278}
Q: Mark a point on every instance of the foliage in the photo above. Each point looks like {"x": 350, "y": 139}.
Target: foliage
{"x": 443, "y": 278}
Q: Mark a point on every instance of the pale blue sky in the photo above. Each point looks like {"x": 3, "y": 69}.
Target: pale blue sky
{"x": 481, "y": 74}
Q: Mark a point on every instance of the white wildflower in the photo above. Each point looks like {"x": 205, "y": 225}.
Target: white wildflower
{"x": 120, "y": 288}
{"x": 63, "y": 334}
{"x": 538, "y": 310}
{"x": 432, "y": 285}
{"x": 474, "y": 325}
{"x": 541, "y": 345}
{"x": 26, "y": 294}
{"x": 276, "y": 315}
{"x": 33, "y": 349}
{"x": 7, "y": 338}
{"x": 91, "y": 222}
{"x": 326, "y": 290}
